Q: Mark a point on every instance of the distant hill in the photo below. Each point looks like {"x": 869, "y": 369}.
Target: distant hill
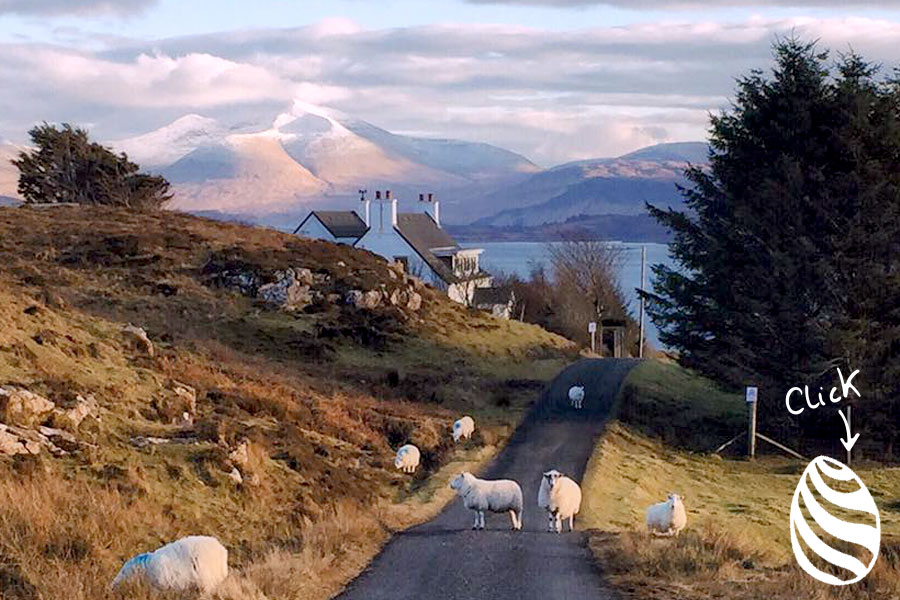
{"x": 593, "y": 188}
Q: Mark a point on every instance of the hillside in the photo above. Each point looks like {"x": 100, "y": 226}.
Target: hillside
{"x": 276, "y": 379}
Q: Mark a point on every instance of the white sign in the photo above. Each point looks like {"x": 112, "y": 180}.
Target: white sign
{"x": 750, "y": 394}
{"x": 592, "y": 327}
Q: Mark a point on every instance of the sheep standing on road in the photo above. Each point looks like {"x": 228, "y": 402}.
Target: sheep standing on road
{"x": 480, "y": 495}
{"x": 667, "y": 518}
{"x": 576, "y": 396}
{"x": 407, "y": 458}
{"x": 463, "y": 428}
{"x": 192, "y": 562}
{"x": 561, "y": 498}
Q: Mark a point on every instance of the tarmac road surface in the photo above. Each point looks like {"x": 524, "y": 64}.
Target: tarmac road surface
{"x": 444, "y": 559}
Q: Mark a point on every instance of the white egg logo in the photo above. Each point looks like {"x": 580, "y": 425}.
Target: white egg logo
{"x": 857, "y": 504}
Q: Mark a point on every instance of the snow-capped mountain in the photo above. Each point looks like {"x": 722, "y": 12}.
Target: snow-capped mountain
{"x": 312, "y": 156}
{"x": 9, "y": 175}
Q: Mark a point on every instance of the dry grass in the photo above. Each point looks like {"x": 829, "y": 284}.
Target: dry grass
{"x": 322, "y": 418}
{"x": 737, "y": 543}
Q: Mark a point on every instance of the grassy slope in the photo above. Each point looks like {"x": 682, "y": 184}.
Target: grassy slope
{"x": 737, "y": 544}
{"x": 321, "y": 412}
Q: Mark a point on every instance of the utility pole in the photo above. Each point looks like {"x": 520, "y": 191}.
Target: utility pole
{"x": 643, "y": 269}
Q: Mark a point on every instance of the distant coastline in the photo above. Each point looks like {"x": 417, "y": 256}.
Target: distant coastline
{"x": 628, "y": 228}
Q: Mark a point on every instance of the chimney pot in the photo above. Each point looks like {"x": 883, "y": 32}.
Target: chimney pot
{"x": 378, "y": 194}
{"x": 387, "y": 194}
{"x": 431, "y": 197}
{"x": 421, "y": 197}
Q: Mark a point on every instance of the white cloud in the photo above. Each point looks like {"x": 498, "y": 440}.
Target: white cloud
{"x": 552, "y": 95}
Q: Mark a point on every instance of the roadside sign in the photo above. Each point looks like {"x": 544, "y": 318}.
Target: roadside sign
{"x": 750, "y": 394}
{"x": 592, "y": 327}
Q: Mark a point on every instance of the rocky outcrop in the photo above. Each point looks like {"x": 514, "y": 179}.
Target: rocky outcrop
{"x": 70, "y": 419}
{"x": 139, "y": 339}
{"x": 21, "y": 407}
{"x": 290, "y": 291}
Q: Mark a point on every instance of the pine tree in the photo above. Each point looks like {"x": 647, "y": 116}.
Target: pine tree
{"x": 66, "y": 167}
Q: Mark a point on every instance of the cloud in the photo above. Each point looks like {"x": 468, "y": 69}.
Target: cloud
{"x": 551, "y": 95}
{"x": 74, "y": 7}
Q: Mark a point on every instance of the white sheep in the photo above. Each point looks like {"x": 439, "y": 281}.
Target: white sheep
{"x": 561, "y": 498}
{"x": 191, "y": 562}
{"x": 463, "y": 428}
{"x": 480, "y": 495}
{"x": 576, "y": 396}
{"x": 667, "y": 518}
{"x": 407, "y": 458}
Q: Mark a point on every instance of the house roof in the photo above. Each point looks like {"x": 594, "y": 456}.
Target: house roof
{"x": 492, "y": 295}
{"x": 340, "y": 223}
{"x": 422, "y": 233}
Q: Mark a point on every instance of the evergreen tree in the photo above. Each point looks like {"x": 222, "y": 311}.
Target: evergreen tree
{"x": 789, "y": 247}
{"x": 66, "y": 167}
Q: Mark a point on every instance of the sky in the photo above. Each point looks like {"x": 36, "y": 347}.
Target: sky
{"x": 556, "y": 80}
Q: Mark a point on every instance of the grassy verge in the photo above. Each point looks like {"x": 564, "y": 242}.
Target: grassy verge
{"x": 737, "y": 543}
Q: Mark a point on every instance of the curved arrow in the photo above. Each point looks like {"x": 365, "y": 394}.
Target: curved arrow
{"x": 848, "y": 443}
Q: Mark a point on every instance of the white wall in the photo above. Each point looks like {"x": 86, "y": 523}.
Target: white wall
{"x": 389, "y": 244}
{"x": 314, "y": 229}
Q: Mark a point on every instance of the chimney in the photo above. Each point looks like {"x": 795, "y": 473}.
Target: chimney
{"x": 393, "y": 211}
{"x": 434, "y": 209}
{"x": 363, "y": 196}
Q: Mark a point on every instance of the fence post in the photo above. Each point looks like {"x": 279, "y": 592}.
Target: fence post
{"x": 750, "y": 395}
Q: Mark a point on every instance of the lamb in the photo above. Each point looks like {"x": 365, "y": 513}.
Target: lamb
{"x": 501, "y": 495}
{"x": 191, "y": 562}
{"x": 463, "y": 428}
{"x": 407, "y": 458}
{"x": 667, "y": 518}
{"x": 561, "y": 498}
{"x": 576, "y": 396}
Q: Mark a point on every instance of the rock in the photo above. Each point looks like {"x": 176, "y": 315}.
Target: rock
{"x": 177, "y": 404}
{"x": 61, "y": 439}
{"x": 70, "y": 419}
{"x": 241, "y": 454}
{"x": 370, "y": 299}
{"x": 289, "y": 291}
{"x": 333, "y": 298}
{"x": 21, "y": 407}
{"x": 139, "y": 338}
{"x": 11, "y": 444}
{"x": 353, "y": 297}
{"x": 415, "y": 301}
{"x": 304, "y": 276}
{"x": 188, "y": 394}
{"x": 235, "y": 476}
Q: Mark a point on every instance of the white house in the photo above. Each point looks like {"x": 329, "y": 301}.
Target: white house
{"x": 338, "y": 226}
{"x": 415, "y": 239}
{"x": 418, "y": 241}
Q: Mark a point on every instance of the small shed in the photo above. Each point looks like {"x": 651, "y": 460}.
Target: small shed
{"x": 499, "y": 301}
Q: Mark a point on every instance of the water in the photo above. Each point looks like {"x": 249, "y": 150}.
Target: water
{"x": 518, "y": 257}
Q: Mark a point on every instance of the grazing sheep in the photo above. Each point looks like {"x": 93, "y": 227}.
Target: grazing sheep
{"x": 501, "y": 495}
{"x": 576, "y": 396}
{"x": 561, "y": 498}
{"x": 463, "y": 428}
{"x": 407, "y": 458}
{"x": 191, "y": 562}
{"x": 667, "y": 518}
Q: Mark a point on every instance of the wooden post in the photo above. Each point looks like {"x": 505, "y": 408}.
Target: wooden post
{"x": 750, "y": 396}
